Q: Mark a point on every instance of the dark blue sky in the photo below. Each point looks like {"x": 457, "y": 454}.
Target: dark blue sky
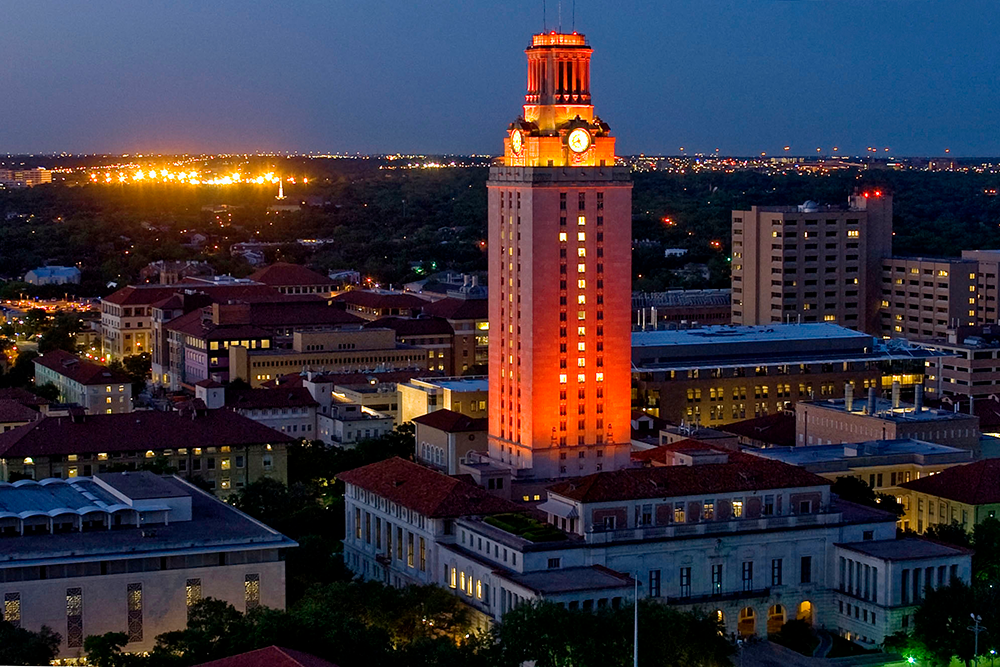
{"x": 743, "y": 76}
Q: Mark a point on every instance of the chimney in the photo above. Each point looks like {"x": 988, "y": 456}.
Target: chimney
{"x": 895, "y": 394}
{"x": 918, "y": 399}
{"x": 871, "y": 400}
{"x": 972, "y": 403}
{"x": 849, "y": 396}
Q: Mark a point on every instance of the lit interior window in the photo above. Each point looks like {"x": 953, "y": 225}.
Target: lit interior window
{"x": 581, "y": 378}
{"x": 581, "y": 346}
{"x": 600, "y": 377}
{"x": 581, "y": 252}
{"x": 581, "y": 283}
{"x": 581, "y": 298}
{"x": 562, "y": 236}
{"x": 562, "y": 379}
{"x": 581, "y": 268}
{"x": 581, "y": 220}
{"x": 581, "y": 236}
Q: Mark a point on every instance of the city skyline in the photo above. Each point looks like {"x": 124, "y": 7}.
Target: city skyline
{"x": 338, "y": 78}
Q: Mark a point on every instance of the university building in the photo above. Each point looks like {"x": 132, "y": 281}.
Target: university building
{"x": 128, "y": 552}
{"x": 722, "y": 374}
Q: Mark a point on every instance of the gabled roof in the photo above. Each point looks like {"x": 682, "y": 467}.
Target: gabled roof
{"x": 272, "y": 656}
{"x": 422, "y": 326}
{"x": 80, "y": 370}
{"x": 450, "y": 421}
{"x": 139, "y": 295}
{"x": 134, "y": 431}
{"x": 742, "y": 472}
{"x": 382, "y": 300}
{"x": 256, "y": 399}
{"x": 459, "y": 309}
{"x": 974, "y": 484}
{"x": 776, "y": 429}
{"x": 13, "y": 411}
{"x": 662, "y": 454}
{"x": 22, "y": 396}
{"x": 426, "y": 491}
{"x": 283, "y": 274}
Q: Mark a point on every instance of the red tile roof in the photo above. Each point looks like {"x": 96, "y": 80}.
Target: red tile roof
{"x": 13, "y": 411}
{"x": 134, "y": 431}
{"x": 256, "y": 399}
{"x": 140, "y": 295}
{"x": 974, "y": 484}
{"x": 742, "y": 472}
{"x": 272, "y": 656}
{"x": 459, "y": 309}
{"x": 283, "y": 274}
{"x": 382, "y": 300}
{"x": 80, "y": 370}
{"x": 300, "y": 313}
{"x": 450, "y": 421}
{"x": 776, "y": 429}
{"x": 422, "y": 326}
{"x": 22, "y": 396}
{"x": 426, "y": 491}
{"x": 662, "y": 453}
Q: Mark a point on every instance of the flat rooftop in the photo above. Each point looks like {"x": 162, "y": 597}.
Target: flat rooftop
{"x": 571, "y": 579}
{"x": 214, "y": 525}
{"x": 736, "y": 334}
{"x": 884, "y": 410}
{"x": 910, "y": 548}
{"x": 818, "y": 454}
{"x": 470, "y": 383}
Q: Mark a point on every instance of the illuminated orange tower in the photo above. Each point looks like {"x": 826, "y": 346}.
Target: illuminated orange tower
{"x": 560, "y": 260}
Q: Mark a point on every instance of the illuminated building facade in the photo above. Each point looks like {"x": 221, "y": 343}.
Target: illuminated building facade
{"x": 560, "y": 278}
{"x": 812, "y": 263}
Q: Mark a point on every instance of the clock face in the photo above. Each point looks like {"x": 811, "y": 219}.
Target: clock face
{"x": 516, "y": 142}
{"x": 579, "y": 140}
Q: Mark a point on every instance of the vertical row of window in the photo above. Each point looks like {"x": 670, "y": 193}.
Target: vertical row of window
{"x": 11, "y": 609}
{"x": 416, "y": 548}
{"x": 510, "y": 283}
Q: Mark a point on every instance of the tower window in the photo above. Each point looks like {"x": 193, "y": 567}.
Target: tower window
{"x": 562, "y": 201}
{"x": 582, "y": 201}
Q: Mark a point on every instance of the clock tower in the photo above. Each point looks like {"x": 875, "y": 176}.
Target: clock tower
{"x": 560, "y": 262}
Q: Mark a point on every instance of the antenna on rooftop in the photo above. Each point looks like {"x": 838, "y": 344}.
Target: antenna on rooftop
{"x": 544, "y": 26}
{"x": 574, "y": 15}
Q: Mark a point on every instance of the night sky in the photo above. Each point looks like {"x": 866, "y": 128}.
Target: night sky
{"x": 439, "y": 76}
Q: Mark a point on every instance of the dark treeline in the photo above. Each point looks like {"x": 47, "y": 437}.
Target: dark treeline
{"x": 397, "y": 224}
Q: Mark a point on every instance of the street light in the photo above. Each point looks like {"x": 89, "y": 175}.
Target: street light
{"x": 977, "y": 628}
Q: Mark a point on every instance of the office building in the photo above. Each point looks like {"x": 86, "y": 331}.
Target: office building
{"x": 722, "y": 374}
{"x": 349, "y": 350}
{"x": 986, "y": 281}
{"x": 469, "y": 318}
{"x": 226, "y": 450}
{"x": 966, "y": 495}
{"x": 130, "y": 553}
{"x": 970, "y": 367}
{"x": 923, "y": 298}
{"x": 294, "y": 279}
{"x": 835, "y": 421}
{"x": 812, "y": 263}
{"x": 560, "y": 255}
{"x": 94, "y": 387}
{"x": 373, "y": 305}
{"x": 433, "y": 334}
{"x": 25, "y": 177}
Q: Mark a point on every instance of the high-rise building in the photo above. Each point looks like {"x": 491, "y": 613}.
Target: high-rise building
{"x": 560, "y": 277}
{"x": 923, "y": 298}
{"x": 817, "y": 263}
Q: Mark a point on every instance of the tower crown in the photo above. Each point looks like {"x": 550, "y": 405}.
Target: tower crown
{"x": 558, "y": 69}
{"x": 558, "y": 127}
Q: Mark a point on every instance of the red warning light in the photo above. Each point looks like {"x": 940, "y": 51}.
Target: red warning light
{"x": 878, "y": 193}
{"x": 866, "y": 195}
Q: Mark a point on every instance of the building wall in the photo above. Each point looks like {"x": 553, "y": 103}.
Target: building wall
{"x": 817, "y": 425}
{"x": 418, "y": 398}
{"x": 95, "y": 399}
{"x": 443, "y": 451}
{"x": 125, "y": 330}
{"x": 924, "y": 510}
{"x": 969, "y": 371}
{"x": 298, "y": 422}
{"x": 219, "y": 466}
{"x": 261, "y": 366}
{"x": 923, "y": 298}
{"x": 164, "y": 598}
{"x": 699, "y": 398}
{"x": 536, "y": 410}
{"x": 986, "y": 282}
